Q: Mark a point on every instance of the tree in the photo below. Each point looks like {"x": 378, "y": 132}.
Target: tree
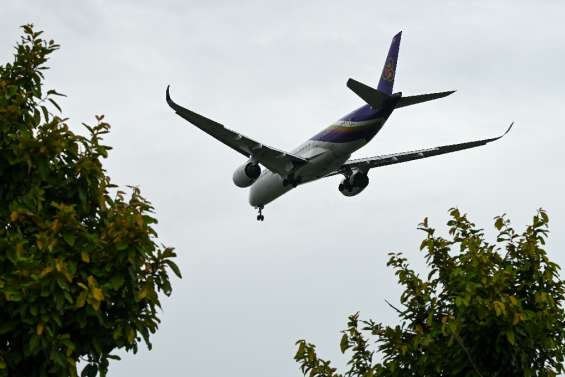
{"x": 80, "y": 270}
{"x": 484, "y": 309}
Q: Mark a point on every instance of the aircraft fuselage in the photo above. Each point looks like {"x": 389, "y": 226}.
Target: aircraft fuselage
{"x": 325, "y": 152}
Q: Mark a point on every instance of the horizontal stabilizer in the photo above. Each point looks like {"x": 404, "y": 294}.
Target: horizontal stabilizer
{"x": 372, "y": 96}
{"x": 413, "y": 100}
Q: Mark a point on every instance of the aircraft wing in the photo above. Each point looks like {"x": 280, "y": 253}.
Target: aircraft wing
{"x": 273, "y": 159}
{"x": 364, "y": 164}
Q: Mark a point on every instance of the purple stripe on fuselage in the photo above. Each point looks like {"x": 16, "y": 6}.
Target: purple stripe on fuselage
{"x": 337, "y": 134}
{"x": 344, "y": 134}
{"x": 352, "y": 132}
{"x": 362, "y": 114}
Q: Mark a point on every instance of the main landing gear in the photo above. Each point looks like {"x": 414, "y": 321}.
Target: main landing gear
{"x": 291, "y": 180}
{"x": 260, "y": 216}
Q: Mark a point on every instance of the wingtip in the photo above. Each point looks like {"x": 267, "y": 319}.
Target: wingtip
{"x": 509, "y": 128}
{"x": 505, "y": 132}
{"x": 168, "y": 96}
{"x": 447, "y": 93}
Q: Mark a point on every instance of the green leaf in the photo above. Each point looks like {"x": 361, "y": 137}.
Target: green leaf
{"x": 301, "y": 349}
{"x": 90, "y": 370}
{"x": 69, "y": 238}
{"x": 62, "y": 283}
{"x": 82, "y": 196}
{"x": 117, "y": 281}
{"x": 33, "y": 344}
{"x": 344, "y": 343}
{"x": 168, "y": 252}
{"x": 54, "y": 104}
{"x": 7, "y": 326}
{"x": 55, "y": 93}
{"x": 122, "y": 246}
{"x": 544, "y": 216}
{"x": 173, "y": 267}
{"x": 499, "y": 223}
{"x": 81, "y": 299}
{"x": 12, "y": 90}
{"x": 45, "y": 113}
{"x": 510, "y": 337}
{"x": 12, "y": 295}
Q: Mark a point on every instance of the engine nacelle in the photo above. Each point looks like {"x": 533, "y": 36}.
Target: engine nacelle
{"x": 354, "y": 184}
{"x": 246, "y": 174}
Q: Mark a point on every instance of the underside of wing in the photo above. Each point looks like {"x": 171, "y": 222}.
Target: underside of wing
{"x": 273, "y": 159}
{"x": 364, "y": 164}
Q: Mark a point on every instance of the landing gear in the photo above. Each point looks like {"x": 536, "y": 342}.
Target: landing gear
{"x": 260, "y": 216}
{"x": 291, "y": 180}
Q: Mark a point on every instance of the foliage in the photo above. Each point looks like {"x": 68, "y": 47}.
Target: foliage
{"x": 80, "y": 270}
{"x": 484, "y": 310}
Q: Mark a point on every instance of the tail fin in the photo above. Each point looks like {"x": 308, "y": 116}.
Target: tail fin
{"x": 389, "y": 70}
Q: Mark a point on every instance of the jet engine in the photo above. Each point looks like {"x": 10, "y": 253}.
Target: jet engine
{"x": 354, "y": 183}
{"x": 246, "y": 174}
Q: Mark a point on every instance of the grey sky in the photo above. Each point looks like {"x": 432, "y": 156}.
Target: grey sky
{"x": 276, "y": 71}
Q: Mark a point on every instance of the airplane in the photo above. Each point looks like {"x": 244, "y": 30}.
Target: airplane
{"x": 328, "y": 152}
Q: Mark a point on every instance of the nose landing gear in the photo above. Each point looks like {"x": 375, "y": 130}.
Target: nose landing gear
{"x": 260, "y": 216}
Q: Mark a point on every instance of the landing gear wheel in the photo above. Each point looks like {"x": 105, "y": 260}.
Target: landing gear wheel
{"x": 260, "y": 216}
{"x": 291, "y": 180}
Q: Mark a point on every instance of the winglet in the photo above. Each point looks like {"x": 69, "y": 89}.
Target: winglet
{"x": 505, "y": 132}
{"x": 501, "y": 136}
{"x": 169, "y": 100}
{"x": 178, "y": 109}
{"x": 509, "y": 128}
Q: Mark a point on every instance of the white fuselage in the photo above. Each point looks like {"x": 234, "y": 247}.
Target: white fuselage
{"x": 323, "y": 157}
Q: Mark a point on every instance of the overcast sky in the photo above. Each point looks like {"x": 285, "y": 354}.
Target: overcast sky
{"x": 276, "y": 71}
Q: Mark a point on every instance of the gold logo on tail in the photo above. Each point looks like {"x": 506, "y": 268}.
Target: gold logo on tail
{"x": 388, "y": 70}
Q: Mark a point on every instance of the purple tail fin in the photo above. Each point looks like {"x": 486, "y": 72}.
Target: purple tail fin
{"x": 389, "y": 70}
